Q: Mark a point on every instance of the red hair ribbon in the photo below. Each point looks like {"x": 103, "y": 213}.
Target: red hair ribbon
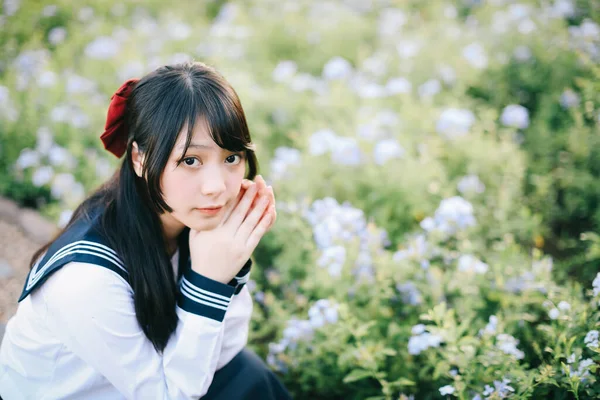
{"x": 115, "y": 132}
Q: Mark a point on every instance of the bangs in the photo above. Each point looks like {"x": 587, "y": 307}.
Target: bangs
{"x": 219, "y": 107}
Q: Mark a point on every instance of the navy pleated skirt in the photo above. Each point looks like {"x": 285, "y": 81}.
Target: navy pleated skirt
{"x": 246, "y": 377}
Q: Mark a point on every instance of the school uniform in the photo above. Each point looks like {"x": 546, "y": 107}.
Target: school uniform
{"x": 75, "y": 334}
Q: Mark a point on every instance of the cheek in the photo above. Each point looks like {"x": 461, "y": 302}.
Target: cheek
{"x": 176, "y": 187}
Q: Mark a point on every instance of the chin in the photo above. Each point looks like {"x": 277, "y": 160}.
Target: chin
{"x": 203, "y": 225}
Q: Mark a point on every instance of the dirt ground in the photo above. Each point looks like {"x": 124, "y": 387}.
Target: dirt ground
{"x": 22, "y": 232}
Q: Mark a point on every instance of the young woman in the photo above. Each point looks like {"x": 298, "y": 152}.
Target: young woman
{"x": 142, "y": 295}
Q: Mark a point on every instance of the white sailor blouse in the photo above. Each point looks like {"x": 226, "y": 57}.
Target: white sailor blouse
{"x": 75, "y": 333}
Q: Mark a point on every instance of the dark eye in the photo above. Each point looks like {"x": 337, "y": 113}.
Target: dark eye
{"x": 189, "y": 161}
{"x": 234, "y": 159}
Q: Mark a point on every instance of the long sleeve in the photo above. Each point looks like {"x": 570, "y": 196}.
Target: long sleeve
{"x": 237, "y": 326}
{"x": 91, "y": 311}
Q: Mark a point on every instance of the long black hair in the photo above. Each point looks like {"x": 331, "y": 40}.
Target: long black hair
{"x": 160, "y": 105}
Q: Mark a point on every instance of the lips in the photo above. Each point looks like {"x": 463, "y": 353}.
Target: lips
{"x": 210, "y": 208}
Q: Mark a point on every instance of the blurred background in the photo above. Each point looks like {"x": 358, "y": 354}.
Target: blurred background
{"x": 436, "y": 165}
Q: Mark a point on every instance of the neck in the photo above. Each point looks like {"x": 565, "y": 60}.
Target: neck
{"x": 171, "y": 230}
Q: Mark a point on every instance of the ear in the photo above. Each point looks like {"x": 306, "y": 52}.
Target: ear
{"x": 137, "y": 158}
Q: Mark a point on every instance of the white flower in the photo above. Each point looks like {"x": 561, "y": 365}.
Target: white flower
{"x": 337, "y": 68}
{"x": 178, "y": 30}
{"x": 470, "y": 184}
{"x": 390, "y": 21}
{"x": 408, "y": 48}
{"x": 78, "y": 84}
{"x": 27, "y": 158}
{"x": 591, "y": 339}
{"x": 475, "y": 55}
{"x": 596, "y": 285}
{"x": 333, "y": 258}
{"x": 57, "y": 35}
{"x": 398, "y": 85}
{"x": 522, "y": 53}
{"x": 49, "y": 10}
{"x": 526, "y": 26}
{"x": 418, "y": 329}
{"x": 58, "y": 155}
{"x": 283, "y": 159}
{"x": 386, "y": 150}
{"x": 410, "y": 295}
{"x": 64, "y": 218}
{"x": 284, "y": 71}
{"x": 515, "y": 116}
{"x": 85, "y": 14}
{"x": 345, "y": 151}
{"x": 45, "y": 140}
{"x": 46, "y": 79}
{"x": 445, "y": 390}
{"x": 469, "y": 263}
{"x": 492, "y": 325}
{"x": 508, "y": 345}
{"x": 102, "y": 48}
{"x": 564, "y": 306}
{"x": 563, "y": 9}
{"x": 554, "y": 313}
{"x": 455, "y": 122}
{"x": 430, "y": 88}
{"x": 11, "y": 7}
{"x": 501, "y": 389}
{"x": 569, "y": 99}
{"x": 42, "y": 176}
{"x": 423, "y": 341}
{"x": 321, "y": 141}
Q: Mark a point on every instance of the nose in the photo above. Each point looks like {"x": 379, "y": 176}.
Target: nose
{"x": 213, "y": 183}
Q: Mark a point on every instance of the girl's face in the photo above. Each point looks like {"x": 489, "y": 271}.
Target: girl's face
{"x": 207, "y": 177}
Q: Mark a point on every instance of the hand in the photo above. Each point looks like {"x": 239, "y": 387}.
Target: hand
{"x": 220, "y": 253}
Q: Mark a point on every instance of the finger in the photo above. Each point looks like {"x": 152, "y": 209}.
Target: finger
{"x": 258, "y": 232}
{"x": 261, "y": 186}
{"x": 241, "y": 209}
{"x": 253, "y": 217}
{"x": 243, "y": 187}
{"x": 272, "y": 210}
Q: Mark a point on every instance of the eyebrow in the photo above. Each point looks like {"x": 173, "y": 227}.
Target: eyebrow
{"x": 196, "y": 146}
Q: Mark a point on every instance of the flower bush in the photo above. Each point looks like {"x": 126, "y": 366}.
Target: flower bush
{"x": 435, "y": 165}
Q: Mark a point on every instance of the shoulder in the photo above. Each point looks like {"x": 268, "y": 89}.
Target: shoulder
{"x": 85, "y": 284}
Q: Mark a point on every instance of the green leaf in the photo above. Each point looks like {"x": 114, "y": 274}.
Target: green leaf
{"x": 357, "y": 375}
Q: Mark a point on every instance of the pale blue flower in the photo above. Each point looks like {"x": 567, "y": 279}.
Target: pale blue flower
{"x": 554, "y": 313}
{"x": 522, "y": 53}
{"x": 391, "y": 20}
{"x": 508, "y": 344}
{"x": 500, "y": 390}
{"x": 569, "y": 99}
{"x": 410, "y": 294}
{"x": 27, "y": 158}
{"x": 337, "y": 68}
{"x": 515, "y": 116}
{"x": 345, "y": 151}
{"x": 469, "y": 263}
{"x": 284, "y": 158}
{"x": 470, "y": 184}
{"x": 398, "y": 85}
{"x": 46, "y": 79}
{"x": 11, "y": 7}
{"x": 284, "y": 71}
{"x": 102, "y": 48}
{"x": 564, "y": 306}
{"x": 42, "y": 176}
{"x": 57, "y": 35}
{"x": 420, "y": 343}
{"x": 475, "y": 55}
{"x": 591, "y": 339}
{"x": 386, "y": 150}
{"x": 333, "y": 258}
{"x": 447, "y": 390}
{"x": 526, "y": 26}
{"x": 322, "y": 141}
{"x": 408, "y": 48}
{"x": 64, "y": 218}
{"x": 430, "y": 88}
{"x": 78, "y": 84}
{"x": 455, "y": 122}
{"x": 596, "y": 285}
